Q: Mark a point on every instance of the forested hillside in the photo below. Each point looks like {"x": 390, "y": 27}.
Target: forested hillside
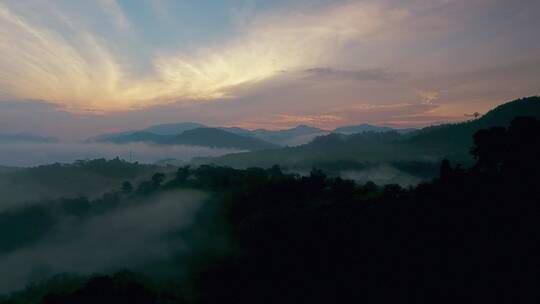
{"x": 270, "y": 237}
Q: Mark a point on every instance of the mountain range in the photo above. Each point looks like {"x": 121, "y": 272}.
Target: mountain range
{"x": 189, "y": 133}
{"x": 205, "y": 137}
{"x": 307, "y": 145}
{"x": 429, "y": 144}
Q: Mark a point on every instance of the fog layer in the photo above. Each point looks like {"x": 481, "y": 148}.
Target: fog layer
{"x": 34, "y": 154}
{"x": 128, "y": 237}
{"x": 382, "y": 174}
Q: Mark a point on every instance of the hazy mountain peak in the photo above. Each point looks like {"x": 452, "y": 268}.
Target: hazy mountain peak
{"x": 173, "y": 128}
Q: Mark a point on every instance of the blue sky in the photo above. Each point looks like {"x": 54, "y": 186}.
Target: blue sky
{"x": 77, "y": 68}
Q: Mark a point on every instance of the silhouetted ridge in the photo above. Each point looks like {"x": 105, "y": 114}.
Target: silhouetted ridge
{"x": 431, "y": 143}
{"x": 461, "y": 133}
{"x": 204, "y": 137}
{"x": 213, "y": 137}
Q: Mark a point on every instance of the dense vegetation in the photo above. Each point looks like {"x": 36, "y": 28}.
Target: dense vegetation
{"x": 470, "y": 233}
{"x": 89, "y": 178}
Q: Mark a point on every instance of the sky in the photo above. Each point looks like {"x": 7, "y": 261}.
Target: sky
{"x": 74, "y": 69}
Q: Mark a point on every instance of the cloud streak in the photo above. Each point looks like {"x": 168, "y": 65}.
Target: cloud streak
{"x": 113, "y": 9}
{"x": 299, "y": 59}
{"x": 82, "y": 74}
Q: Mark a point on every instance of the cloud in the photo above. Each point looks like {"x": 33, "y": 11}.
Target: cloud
{"x": 277, "y": 61}
{"x": 81, "y": 73}
{"x": 381, "y": 174}
{"x": 27, "y": 154}
{"x": 40, "y": 64}
{"x": 113, "y": 9}
{"x": 397, "y": 115}
{"x": 277, "y": 121}
{"x": 428, "y": 97}
{"x": 372, "y": 75}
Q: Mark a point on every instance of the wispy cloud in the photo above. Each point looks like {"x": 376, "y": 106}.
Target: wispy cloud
{"x": 428, "y": 97}
{"x": 277, "y": 61}
{"x": 83, "y": 73}
{"x": 114, "y": 10}
{"x": 40, "y": 64}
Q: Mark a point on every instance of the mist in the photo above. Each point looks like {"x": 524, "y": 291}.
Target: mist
{"x": 129, "y": 237}
{"x": 382, "y": 174}
{"x": 33, "y": 154}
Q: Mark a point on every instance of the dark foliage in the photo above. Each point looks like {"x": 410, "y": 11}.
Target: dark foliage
{"x": 121, "y": 288}
{"x": 471, "y": 234}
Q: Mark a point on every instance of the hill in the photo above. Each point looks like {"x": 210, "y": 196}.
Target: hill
{"x": 428, "y": 144}
{"x": 139, "y": 135}
{"x": 298, "y": 135}
{"x": 468, "y": 232}
{"x": 459, "y": 136}
{"x": 217, "y": 138}
{"x": 204, "y": 137}
{"x": 301, "y": 134}
{"x": 82, "y": 178}
{"x": 173, "y": 128}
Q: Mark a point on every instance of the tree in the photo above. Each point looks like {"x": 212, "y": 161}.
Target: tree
{"x": 158, "y": 178}
{"x": 445, "y": 171}
{"x": 183, "y": 174}
{"x": 126, "y": 188}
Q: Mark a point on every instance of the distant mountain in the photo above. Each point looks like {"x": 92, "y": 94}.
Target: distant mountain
{"x": 204, "y": 137}
{"x": 24, "y": 137}
{"x": 369, "y": 128}
{"x": 431, "y": 143}
{"x": 136, "y": 135}
{"x": 173, "y": 128}
{"x": 298, "y": 135}
{"x": 238, "y": 131}
{"x": 218, "y": 138}
{"x": 357, "y": 141}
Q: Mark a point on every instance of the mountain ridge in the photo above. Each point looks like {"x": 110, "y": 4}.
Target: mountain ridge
{"x": 295, "y": 136}
{"x": 427, "y": 144}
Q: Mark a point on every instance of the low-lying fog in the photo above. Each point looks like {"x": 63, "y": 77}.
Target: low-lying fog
{"x": 138, "y": 233}
{"x": 382, "y": 174}
{"x": 34, "y": 154}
